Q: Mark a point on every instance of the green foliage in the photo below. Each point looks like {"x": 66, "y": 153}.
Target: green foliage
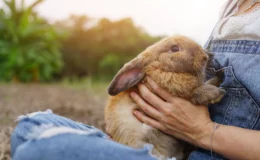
{"x": 110, "y": 63}
{"x": 29, "y": 46}
{"x": 33, "y": 50}
{"x": 100, "y": 50}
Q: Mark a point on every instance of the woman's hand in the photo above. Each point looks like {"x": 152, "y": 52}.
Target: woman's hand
{"x": 172, "y": 115}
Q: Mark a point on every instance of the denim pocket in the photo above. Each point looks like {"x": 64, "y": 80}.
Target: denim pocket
{"x": 237, "y": 108}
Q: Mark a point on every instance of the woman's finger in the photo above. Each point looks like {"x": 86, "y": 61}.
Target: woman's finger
{"x": 160, "y": 91}
{"x": 150, "y": 97}
{"x": 149, "y": 121}
{"x": 149, "y": 110}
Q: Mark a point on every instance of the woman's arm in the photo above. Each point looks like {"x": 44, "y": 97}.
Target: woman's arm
{"x": 234, "y": 143}
{"x": 183, "y": 120}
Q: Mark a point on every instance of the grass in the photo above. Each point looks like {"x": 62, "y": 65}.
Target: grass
{"x": 89, "y": 83}
{"x": 79, "y": 99}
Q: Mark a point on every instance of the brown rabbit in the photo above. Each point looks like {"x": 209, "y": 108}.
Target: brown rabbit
{"x": 177, "y": 64}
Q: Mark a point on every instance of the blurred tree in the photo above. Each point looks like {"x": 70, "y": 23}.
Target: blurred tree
{"x": 29, "y": 46}
{"x": 100, "y": 48}
{"x": 109, "y": 63}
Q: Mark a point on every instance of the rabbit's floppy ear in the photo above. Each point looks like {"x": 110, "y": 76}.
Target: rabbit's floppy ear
{"x": 128, "y": 76}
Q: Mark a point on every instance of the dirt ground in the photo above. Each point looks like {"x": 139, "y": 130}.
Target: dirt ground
{"x": 84, "y": 105}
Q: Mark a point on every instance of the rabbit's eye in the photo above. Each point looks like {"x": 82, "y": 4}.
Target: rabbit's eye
{"x": 175, "y": 48}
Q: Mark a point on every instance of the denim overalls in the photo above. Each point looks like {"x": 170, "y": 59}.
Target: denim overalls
{"x": 239, "y": 63}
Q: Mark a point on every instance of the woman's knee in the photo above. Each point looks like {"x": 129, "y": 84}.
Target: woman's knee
{"x": 28, "y": 126}
{"x": 32, "y": 125}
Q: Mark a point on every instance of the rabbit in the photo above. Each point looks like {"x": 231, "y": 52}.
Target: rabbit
{"x": 177, "y": 64}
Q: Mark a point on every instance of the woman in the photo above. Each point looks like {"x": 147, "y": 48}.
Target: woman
{"x": 235, "y": 44}
{"x": 228, "y": 130}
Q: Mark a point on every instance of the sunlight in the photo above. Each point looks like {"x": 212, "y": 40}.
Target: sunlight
{"x": 159, "y": 17}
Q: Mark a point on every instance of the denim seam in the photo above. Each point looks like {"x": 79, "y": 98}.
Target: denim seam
{"x": 231, "y": 70}
{"x": 228, "y": 69}
{"x": 255, "y": 104}
{"x": 257, "y": 119}
{"x": 228, "y": 108}
{"x": 245, "y": 89}
{"x": 234, "y": 76}
{"x": 233, "y": 52}
{"x": 235, "y": 46}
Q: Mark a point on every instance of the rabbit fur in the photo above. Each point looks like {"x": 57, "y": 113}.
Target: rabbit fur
{"x": 177, "y": 64}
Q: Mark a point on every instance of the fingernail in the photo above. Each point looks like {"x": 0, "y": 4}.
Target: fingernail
{"x": 135, "y": 112}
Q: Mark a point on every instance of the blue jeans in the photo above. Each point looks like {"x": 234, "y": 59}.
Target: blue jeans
{"x": 46, "y": 136}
